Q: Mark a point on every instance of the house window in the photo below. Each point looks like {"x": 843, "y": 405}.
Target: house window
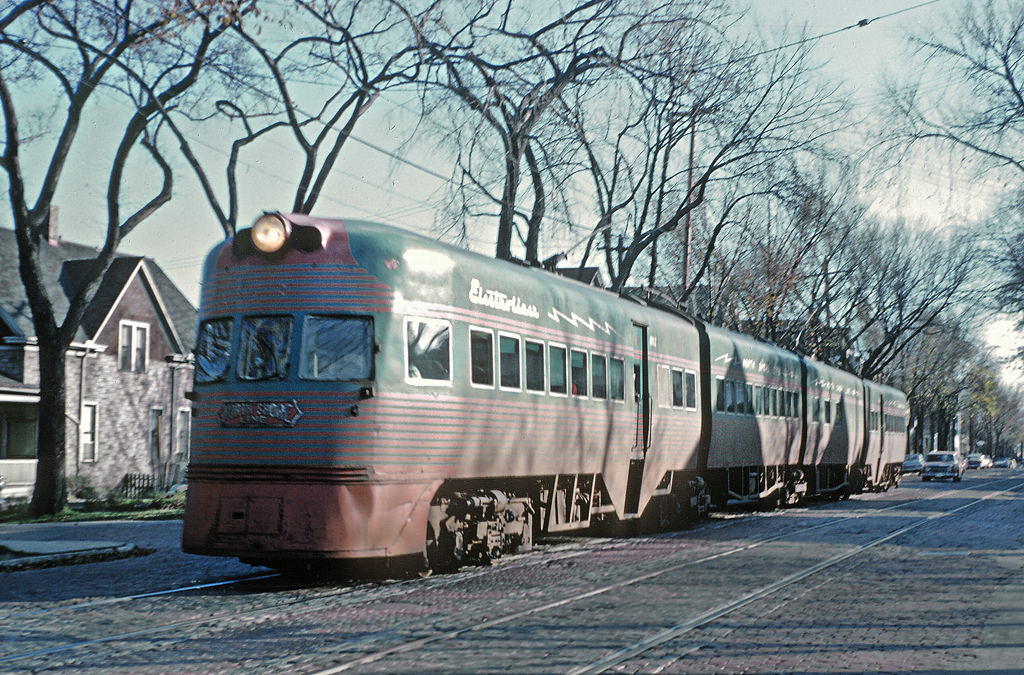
{"x": 156, "y": 427}
{"x": 133, "y": 350}
{"x": 17, "y": 431}
{"x": 184, "y": 432}
{"x": 87, "y": 432}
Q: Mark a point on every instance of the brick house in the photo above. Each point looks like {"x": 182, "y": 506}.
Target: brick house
{"x": 127, "y": 372}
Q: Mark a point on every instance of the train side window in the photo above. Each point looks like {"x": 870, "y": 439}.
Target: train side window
{"x": 840, "y": 414}
{"x": 598, "y": 376}
{"x": 213, "y": 350}
{"x": 481, "y": 357}
{"x": 336, "y": 348}
{"x": 578, "y": 372}
{"x": 556, "y": 370}
{"x": 690, "y": 389}
{"x": 509, "y": 362}
{"x": 720, "y": 394}
{"x": 428, "y": 351}
{"x": 617, "y": 378}
{"x": 677, "y": 389}
{"x": 749, "y": 391}
{"x": 664, "y": 387}
{"x": 828, "y": 412}
{"x": 730, "y": 396}
{"x": 534, "y": 356}
{"x": 265, "y": 347}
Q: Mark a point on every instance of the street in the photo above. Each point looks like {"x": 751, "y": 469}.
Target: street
{"x": 923, "y": 578}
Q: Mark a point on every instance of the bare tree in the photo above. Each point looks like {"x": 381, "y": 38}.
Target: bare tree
{"x": 89, "y": 49}
{"x": 717, "y": 124}
{"x": 983, "y": 49}
{"x": 314, "y": 88}
{"x": 508, "y": 67}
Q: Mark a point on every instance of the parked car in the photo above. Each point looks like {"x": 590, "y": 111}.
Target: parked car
{"x": 943, "y": 465}
{"x": 977, "y": 460}
{"x": 913, "y": 463}
{"x": 1005, "y": 463}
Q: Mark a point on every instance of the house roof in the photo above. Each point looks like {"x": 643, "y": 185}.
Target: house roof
{"x": 65, "y": 264}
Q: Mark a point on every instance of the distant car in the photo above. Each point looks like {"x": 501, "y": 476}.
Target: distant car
{"x": 943, "y": 465}
{"x": 913, "y": 463}
{"x": 1005, "y": 463}
{"x": 977, "y": 460}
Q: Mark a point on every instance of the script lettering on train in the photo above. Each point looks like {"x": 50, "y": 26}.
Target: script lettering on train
{"x": 502, "y": 302}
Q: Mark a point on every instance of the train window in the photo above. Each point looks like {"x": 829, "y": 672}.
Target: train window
{"x": 677, "y": 389}
{"x": 336, "y": 348}
{"x": 730, "y": 396}
{"x": 534, "y": 353}
{"x": 578, "y": 372}
{"x": 840, "y": 414}
{"x": 720, "y": 394}
{"x": 598, "y": 376}
{"x": 617, "y": 379}
{"x": 749, "y": 390}
{"x": 556, "y": 370}
{"x": 690, "y": 389}
{"x": 481, "y": 357}
{"x": 265, "y": 345}
{"x": 428, "y": 351}
{"x": 213, "y": 350}
{"x": 828, "y": 412}
{"x": 509, "y": 362}
{"x": 664, "y": 387}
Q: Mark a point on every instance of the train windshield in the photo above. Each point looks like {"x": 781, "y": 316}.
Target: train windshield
{"x": 264, "y": 346}
{"x": 213, "y": 350}
{"x": 336, "y": 348}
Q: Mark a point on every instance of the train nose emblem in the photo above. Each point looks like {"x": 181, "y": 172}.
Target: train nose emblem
{"x": 259, "y": 413}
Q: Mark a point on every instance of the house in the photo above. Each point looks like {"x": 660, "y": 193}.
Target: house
{"x": 126, "y": 372}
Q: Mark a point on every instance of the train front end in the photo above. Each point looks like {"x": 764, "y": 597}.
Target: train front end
{"x": 284, "y": 465}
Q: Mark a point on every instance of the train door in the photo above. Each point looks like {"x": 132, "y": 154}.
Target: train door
{"x": 642, "y": 433}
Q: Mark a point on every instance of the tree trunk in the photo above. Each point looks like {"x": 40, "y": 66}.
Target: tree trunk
{"x": 50, "y": 494}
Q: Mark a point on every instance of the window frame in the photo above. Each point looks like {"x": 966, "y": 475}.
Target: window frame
{"x": 422, "y": 381}
{"x": 95, "y": 406}
{"x": 543, "y": 368}
{"x": 134, "y": 328}
{"x": 565, "y": 369}
{"x": 519, "y": 360}
{"x": 472, "y": 368}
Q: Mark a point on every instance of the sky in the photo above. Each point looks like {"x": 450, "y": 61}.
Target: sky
{"x": 371, "y": 184}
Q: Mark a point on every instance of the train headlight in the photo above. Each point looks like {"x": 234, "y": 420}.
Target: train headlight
{"x": 270, "y": 232}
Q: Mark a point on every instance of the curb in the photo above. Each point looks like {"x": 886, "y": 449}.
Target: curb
{"x": 73, "y": 557}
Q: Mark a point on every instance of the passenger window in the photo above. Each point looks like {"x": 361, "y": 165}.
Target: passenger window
{"x": 720, "y": 398}
{"x": 534, "y": 366}
{"x": 617, "y": 379}
{"x": 578, "y": 372}
{"x": 690, "y": 386}
{"x": 336, "y": 348}
{"x": 599, "y": 383}
{"x": 213, "y": 350}
{"x": 677, "y": 389}
{"x": 748, "y": 391}
{"x": 556, "y": 370}
{"x": 265, "y": 344}
{"x": 481, "y": 355}
{"x": 428, "y": 350}
{"x": 730, "y": 400}
{"x": 828, "y": 412}
{"x": 664, "y": 387}
{"x": 509, "y": 362}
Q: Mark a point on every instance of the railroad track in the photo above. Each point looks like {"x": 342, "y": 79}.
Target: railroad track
{"x": 373, "y": 649}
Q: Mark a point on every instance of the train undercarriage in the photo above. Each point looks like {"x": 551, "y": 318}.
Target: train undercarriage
{"x": 471, "y": 524}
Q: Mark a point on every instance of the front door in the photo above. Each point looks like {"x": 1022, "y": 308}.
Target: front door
{"x": 642, "y": 433}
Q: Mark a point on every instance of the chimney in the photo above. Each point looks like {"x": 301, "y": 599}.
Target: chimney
{"x": 53, "y": 226}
